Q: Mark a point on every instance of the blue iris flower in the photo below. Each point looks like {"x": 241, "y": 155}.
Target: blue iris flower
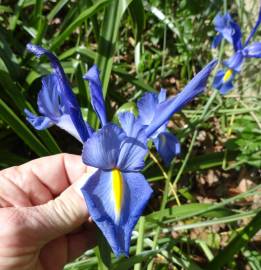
{"x": 166, "y": 143}
{"x": 155, "y": 112}
{"x": 229, "y": 30}
{"x": 56, "y": 101}
{"x": 117, "y": 192}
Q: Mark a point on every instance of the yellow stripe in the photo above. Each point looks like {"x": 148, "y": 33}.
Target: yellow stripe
{"x": 227, "y": 75}
{"x": 118, "y": 191}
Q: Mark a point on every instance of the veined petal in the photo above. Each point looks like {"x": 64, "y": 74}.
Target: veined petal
{"x": 131, "y": 155}
{"x": 253, "y": 50}
{"x": 65, "y": 122}
{"x": 71, "y": 103}
{"x": 97, "y": 99}
{"x": 132, "y": 126}
{"x": 168, "y": 146}
{"x": 48, "y": 98}
{"x": 146, "y": 106}
{"x": 235, "y": 61}
{"x": 252, "y": 33}
{"x": 115, "y": 201}
{"x": 102, "y": 149}
{"x": 164, "y": 110}
{"x": 38, "y": 122}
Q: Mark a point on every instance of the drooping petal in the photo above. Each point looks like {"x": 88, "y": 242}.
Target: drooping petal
{"x": 146, "y": 106}
{"x": 223, "y": 81}
{"x": 70, "y": 101}
{"x": 97, "y": 99}
{"x": 115, "y": 201}
{"x": 131, "y": 155}
{"x": 38, "y": 122}
{"x": 168, "y": 146}
{"x": 132, "y": 126}
{"x": 166, "y": 109}
{"x": 102, "y": 149}
{"x": 253, "y": 50}
{"x": 226, "y": 87}
{"x": 235, "y": 61}
{"x": 252, "y": 33}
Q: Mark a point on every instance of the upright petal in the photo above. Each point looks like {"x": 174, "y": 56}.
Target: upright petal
{"x": 166, "y": 109}
{"x": 168, "y": 146}
{"x": 132, "y": 126}
{"x": 253, "y": 50}
{"x": 49, "y": 97}
{"x": 102, "y": 149}
{"x": 131, "y": 155}
{"x": 252, "y": 33}
{"x": 97, "y": 99}
{"x": 146, "y": 106}
{"x": 38, "y": 122}
{"x": 162, "y": 95}
{"x": 115, "y": 201}
{"x": 71, "y": 102}
{"x": 229, "y": 29}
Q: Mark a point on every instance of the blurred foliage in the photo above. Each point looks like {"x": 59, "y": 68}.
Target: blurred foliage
{"x": 198, "y": 206}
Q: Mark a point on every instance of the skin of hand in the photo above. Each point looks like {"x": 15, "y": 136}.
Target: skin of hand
{"x": 44, "y": 222}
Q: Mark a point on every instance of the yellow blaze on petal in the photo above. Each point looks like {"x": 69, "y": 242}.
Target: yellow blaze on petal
{"x": 227, "y": 75}
{"x": 118, "y": 191}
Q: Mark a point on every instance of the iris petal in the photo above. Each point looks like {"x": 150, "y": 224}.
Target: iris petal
{"x": 146, "y": 106}
{"x": 254, "y": 28}
{"x": 224, "y": 86}
{"x": 164, "y": 110}
{"x": 99, "y": 195}
{"x": 71, "y": 102}
{"x": 162, "y": 95}
{"x": 132, "y": 126}
{"x": 48, "y": 97}
{"x": 235, "y": 61}
{"x": 216, "y": 41}
{"x": 229, "y": 29}
{"x": 131, "y": 155}
{"x": 97, "y": 99}
{"x": 168, "y": 146}
{"x": 38, "y": 122}
{"x": 253, "y": 50}
{"x": 102, "y": 149}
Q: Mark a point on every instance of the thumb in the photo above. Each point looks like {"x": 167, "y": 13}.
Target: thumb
{"x": 62, "y": 215}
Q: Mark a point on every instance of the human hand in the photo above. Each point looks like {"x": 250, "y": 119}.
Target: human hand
{"x": 42, "y": 214}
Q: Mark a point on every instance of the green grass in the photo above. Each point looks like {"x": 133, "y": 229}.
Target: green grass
{"x": 200, "y": 216}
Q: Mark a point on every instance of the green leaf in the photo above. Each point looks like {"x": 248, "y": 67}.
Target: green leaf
{"x": 77, "y": 22}
{"x": 7, "y": 115}
{"x": 225, "y": 256}
{"x": 136, "y": 10}
{"x": 108, "y": 37}
{"x": 127, "y": 263}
